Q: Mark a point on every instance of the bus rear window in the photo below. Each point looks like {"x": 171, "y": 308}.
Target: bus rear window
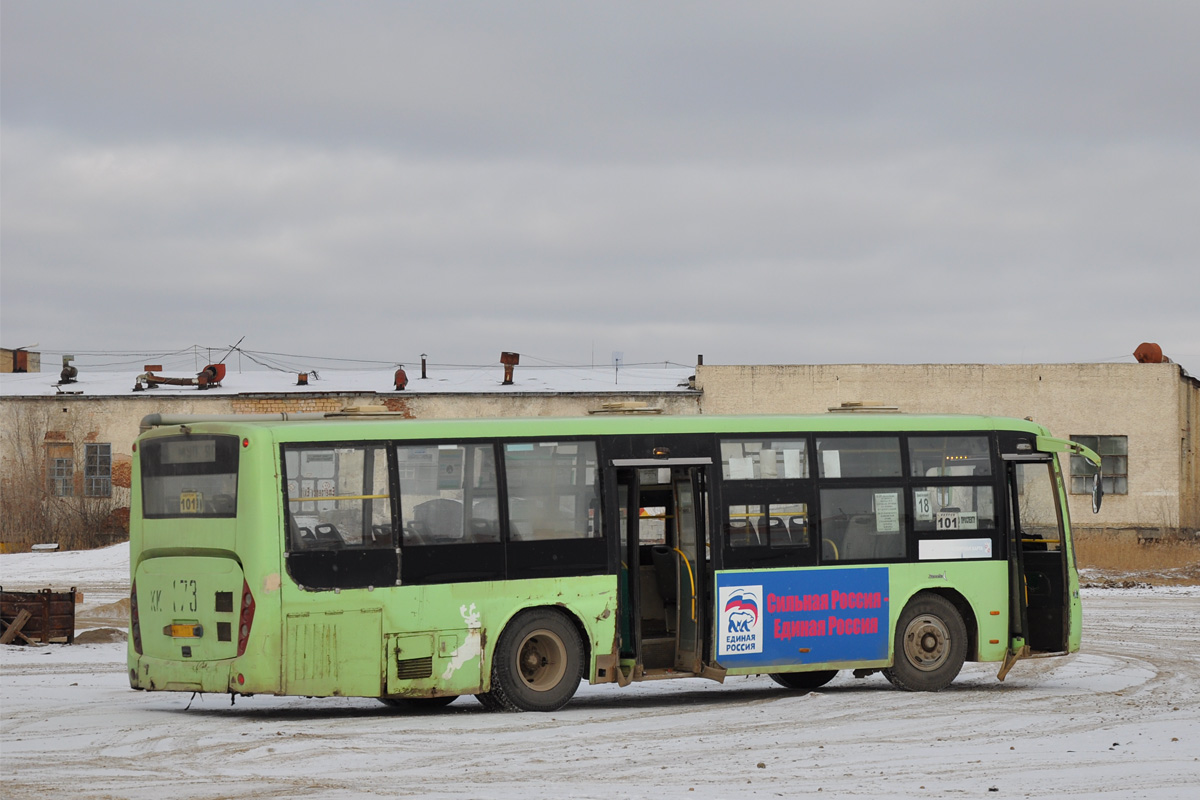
{"x": 189, "y": 476}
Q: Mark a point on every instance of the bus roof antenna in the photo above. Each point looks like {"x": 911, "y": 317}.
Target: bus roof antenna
{"x": 235, "y": 346}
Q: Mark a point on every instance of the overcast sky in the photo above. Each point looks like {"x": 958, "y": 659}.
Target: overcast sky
{"x": 759, "y": 182}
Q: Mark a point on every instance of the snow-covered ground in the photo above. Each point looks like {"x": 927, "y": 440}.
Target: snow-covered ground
{"x": 1120, "y": 719}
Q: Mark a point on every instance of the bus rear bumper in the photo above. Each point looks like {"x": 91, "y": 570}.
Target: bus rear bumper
{"x": 161, "y": 675}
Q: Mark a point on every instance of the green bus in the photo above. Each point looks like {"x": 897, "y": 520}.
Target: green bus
{"x": 414, "y": 561}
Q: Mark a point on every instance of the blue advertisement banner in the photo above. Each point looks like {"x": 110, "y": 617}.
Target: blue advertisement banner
{"x": 785, "y": 617}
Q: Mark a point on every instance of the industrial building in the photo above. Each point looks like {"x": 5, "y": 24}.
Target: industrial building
{"x": 67, "y": 436}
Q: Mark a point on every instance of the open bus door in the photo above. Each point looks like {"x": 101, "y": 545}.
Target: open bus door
{"x": 689, "y": 492}
{"x": 1040, "y": 569}
{"x": 663, "y": 563}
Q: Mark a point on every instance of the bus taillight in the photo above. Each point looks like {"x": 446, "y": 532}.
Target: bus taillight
{"x": 246, "y": 619}
{"x": 135, "y": 627}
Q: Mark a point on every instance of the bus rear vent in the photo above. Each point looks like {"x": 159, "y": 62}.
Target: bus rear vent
{"x": 411, "y": 669}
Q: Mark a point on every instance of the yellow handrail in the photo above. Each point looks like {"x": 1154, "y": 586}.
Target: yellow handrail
{"x": 339, "y": 497}
{"x": 691, "y": 578}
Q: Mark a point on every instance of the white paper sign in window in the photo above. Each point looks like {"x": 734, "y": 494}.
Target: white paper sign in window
{"x": 793, "y": 466}
{"x": 887, "y": 512}
{"x": 922, "y": 506}
{"x": 831, "y": 464}
{"x": 741, "y": 469}
{"x": 768, "y": 465}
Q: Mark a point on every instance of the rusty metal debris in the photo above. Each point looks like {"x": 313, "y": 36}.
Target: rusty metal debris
{"x": 42, "y": 617}
{"x": 207, "y": 378}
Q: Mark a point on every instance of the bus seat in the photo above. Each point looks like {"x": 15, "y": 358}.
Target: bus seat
{"x": 859, "y": 541}
{"x": 889, "y": 544}
{"x": 417, "y": 532}
{"x": 771, "y": 530}
{"x": 518, "y": 531}
{"x": 381, "y": 535}
{"x": 302, "y": 537}
{"x": 797, "y": 532}
{"x": 327, "y": 535}
{"x": 442, "y": 517}
{"x": 740, "y": 533}
{"x": 223, "y": 504}
{"x": 664, "y": 566}
{"x": 294, "y": 532}
{"x": 484, "y": 530}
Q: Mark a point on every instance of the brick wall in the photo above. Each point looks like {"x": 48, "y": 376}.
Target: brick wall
{"x": 286, "y": 404}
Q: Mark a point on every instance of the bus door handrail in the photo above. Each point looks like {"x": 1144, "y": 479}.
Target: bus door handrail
{"x": 691, "y": 578}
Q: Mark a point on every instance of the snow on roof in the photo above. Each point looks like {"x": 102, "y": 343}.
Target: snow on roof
{"x": 469, "y": 380}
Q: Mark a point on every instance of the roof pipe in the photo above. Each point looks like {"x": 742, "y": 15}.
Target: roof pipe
{"x": 158, "y": 420}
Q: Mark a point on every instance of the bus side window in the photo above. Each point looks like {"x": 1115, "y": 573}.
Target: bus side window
{"x": 338, "y": 504}
{"x": 553, "y": 491}
{"x": 864, "y": 524}
{"x": 767, "y": 484}
{"x": 448, "y": 494}
{"x": 337, "y": 497}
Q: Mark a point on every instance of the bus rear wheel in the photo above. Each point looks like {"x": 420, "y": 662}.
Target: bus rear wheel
{"x": 488, "y": 702}
{"x": 804, "y": 680}
{"x": 930, "y": 646}
{"x": 538, "y": 663}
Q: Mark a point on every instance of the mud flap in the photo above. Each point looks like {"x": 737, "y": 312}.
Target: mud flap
{"x": 608, "y": 670}
{"x": 1010, "y": 659}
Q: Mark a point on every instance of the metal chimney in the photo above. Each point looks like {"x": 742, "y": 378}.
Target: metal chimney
{"x": 509, "y": 360}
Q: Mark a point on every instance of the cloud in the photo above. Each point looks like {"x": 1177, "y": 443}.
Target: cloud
{"x": 859, "y": 182}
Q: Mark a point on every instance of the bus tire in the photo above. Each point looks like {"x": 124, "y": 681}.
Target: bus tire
{"x": 930, "y": 646}
{"x": 537, "y": 664}
{"x": 419, "y": 704}
{"x": 804, "y": 680}
{"x": 488, "y": 702}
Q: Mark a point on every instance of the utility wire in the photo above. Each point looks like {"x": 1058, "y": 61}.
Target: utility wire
{"x": 292, "y": 362}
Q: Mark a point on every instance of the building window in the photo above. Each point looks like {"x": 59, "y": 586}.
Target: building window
{"x": 97, "y": 470}
{"x": 60, "y": 470}
{"x": 1114, "y": 460}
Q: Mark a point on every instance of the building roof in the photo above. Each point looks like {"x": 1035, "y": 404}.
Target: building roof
{"x": 470, "y": 380}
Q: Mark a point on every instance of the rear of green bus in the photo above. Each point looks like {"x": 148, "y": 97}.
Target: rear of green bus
{"x": 200, "y": 566}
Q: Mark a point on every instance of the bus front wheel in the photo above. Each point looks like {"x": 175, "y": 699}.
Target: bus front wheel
{"x": 804, "y": 680}
{"x": 930, "y": 647}
{"x": 537, "y": 665}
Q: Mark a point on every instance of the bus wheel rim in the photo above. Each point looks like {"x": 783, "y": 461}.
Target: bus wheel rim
{"x": 927, "y": 643}
{"x": 542, "y": 660}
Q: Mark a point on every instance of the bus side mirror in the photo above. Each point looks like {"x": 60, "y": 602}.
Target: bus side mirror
{"x": 1097, "y": 493}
